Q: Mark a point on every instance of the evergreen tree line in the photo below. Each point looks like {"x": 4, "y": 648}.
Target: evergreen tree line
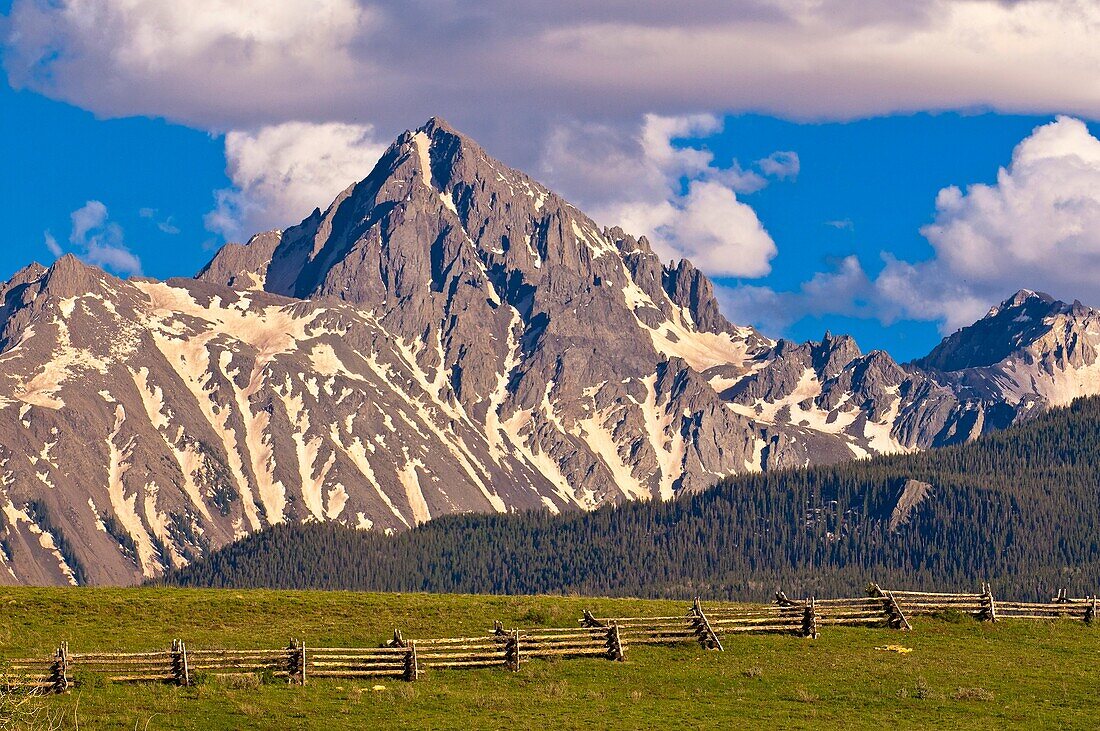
{"x": 1019, "y": 508}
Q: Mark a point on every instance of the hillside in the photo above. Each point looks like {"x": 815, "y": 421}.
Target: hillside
{"x": 962, "y": 675}
{"x": 1019, "y": 508}
{"x": 447, "y": 337}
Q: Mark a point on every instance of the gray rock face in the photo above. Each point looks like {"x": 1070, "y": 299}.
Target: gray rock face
{"x": 447, "y": 336}
{"x": 910, "y": 496}
{"x": 1029, "y": 352}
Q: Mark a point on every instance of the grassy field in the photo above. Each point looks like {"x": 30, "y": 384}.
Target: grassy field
{"x": 960, "y": 674}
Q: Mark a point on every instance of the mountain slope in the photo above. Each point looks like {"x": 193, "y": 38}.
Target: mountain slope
{"x": 1019, "y": 508}
{"x": 448, "y": 336}
{"x": 543, "y": 328}
{"x": 157, "y": 420}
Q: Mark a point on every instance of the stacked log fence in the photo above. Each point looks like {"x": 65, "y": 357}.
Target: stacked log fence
{"x": 131, "y": 667}
{"x": 546, "y": 642}
{"x": 511, "y": 648}
{"x": 921, "y": 603}
{"x": 985, "y": 607}
{"x": 795, "y": 618}
{"x": 403, "y": 662}
{"x": 648, "y": 630}
{"x": 238, "y": 662}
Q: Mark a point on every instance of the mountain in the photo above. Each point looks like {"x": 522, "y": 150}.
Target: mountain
{"x": 1018, "y": 508}
{"x": 448, "y": 336}
{"x": 1031, "y": 351}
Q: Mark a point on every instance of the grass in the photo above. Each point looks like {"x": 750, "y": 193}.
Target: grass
{"x": 960, "y": 673}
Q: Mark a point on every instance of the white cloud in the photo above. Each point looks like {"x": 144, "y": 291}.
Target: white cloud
{"x": 166, "y": 225}
{"x": 284, "y": 171}
{"x": 97, "y": 240}
{"x": 718, "y": 233}
{"x": 783, "y": 165}
{"x": 204, "y": 62}
{"x": 343, "y": 69}
{"x": 92, "y": 215}
{"x": 242, "y": 64}
{"x": 650, "y": 182}
{"x": 1037, "y": 227}
{"x": 52, "y": 246}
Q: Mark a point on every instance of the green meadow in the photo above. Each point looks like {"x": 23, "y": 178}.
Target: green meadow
{"x": 959, "y": 673}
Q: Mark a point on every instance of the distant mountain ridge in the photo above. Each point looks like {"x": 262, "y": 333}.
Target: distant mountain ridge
{"x": 447, "y": 336}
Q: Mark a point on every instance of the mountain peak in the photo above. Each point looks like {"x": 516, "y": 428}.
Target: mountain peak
{"x": 438, "y": 123}
{"x": 1021, "y": 298}
{"x": 71, "y": 277}
{"x": 1014, "y": 324}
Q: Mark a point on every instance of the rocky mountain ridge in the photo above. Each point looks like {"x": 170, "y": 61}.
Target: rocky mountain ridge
{"x": 447, "y": 336}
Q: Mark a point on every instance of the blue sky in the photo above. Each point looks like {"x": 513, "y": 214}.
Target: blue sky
{"x": 59, "y": 157}
{"x": 249, "y": 119}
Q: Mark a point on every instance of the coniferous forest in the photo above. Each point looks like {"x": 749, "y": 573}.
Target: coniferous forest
{"x": 1018, "y": 508}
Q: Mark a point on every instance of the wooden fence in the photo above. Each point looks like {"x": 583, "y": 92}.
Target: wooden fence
{"x": 510, "y": 648}
{"x": 985, "y": 607}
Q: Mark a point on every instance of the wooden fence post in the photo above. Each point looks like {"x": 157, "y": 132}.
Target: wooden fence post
{"x": 398, "y": 640}
{"x": 809, "y": 620}
{"x": 589, "y": 620}
{"x": 511, "y": 652}
{"x": 302, "y": 661}
{"x": 412, "y": 668}
{"x": 989, "y": 606}
{"x": 296, "y": 662}
{"x": 179, "y": 663}
{"x": 782, "y": 600}
{"x": 875, "y": 591}
{"x": 60, "y": 674}
{"x": 896, "y": 617}
{"x": 1090, "y": 610}
{"x": 614, "y": 643}
{"x": 707, "y": 636}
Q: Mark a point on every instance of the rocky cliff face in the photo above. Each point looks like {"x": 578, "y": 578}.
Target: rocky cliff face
{"x": 447, "y": 336}
{"x": 1029, "y": 352}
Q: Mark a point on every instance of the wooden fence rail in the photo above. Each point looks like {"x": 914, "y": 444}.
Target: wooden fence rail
{"x": 647, "y": 630}
{"x": 510, "y": 648}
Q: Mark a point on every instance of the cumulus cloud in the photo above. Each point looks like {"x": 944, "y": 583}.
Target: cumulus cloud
{"x": 489, "y": 64}
{"x": 97, "y": 240}
{"x": 282, "y": 172}
{"x": 718, "y": 233}
{"x": 651, "y": 180}
{"x": 1037, "y": 227}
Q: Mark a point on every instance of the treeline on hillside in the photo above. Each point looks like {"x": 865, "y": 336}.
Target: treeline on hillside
{"x": 1019, "y": 508}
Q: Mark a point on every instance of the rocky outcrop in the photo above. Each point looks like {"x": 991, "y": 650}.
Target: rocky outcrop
{"x": 910, "y": 496}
